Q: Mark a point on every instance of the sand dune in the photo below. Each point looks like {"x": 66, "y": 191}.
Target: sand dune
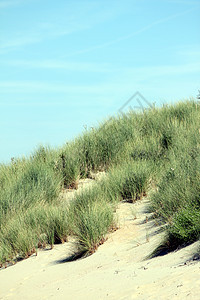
{"x": 118, "y": 270}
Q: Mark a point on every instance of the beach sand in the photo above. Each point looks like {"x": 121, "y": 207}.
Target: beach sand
{"x": 118, "y": 270}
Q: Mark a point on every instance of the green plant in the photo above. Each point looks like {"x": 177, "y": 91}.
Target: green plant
{"x": 92, "y": 224}
{"x": 157, "y": 149}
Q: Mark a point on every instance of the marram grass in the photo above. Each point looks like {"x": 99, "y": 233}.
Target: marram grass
{"x": 156, "y": 150}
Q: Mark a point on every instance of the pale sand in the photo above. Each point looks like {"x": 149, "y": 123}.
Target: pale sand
{"x": 116, "y": 271}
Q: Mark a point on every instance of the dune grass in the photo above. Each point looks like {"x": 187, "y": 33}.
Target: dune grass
{"x": 156, "y": 152}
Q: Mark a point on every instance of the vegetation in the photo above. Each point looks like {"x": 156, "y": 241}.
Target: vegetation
{"x": 155, "y": 152}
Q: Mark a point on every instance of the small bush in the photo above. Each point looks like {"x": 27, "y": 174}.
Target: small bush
{"x": 130, "y": 180}
{"x": 185, "y": 225}
{"x": 158, "y": 147}
{"x": 92, "y": 224}
{"x": 37, "y": 184}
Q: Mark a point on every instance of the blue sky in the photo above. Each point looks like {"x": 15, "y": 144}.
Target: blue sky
{"x": 66, "y": 64}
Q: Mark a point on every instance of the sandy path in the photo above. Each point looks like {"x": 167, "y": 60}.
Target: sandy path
{"x": 116, "y": 271}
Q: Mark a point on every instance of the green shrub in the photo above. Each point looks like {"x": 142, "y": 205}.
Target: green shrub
{"x": 37, "y": 184}
{"x": 158, "y": 147}
{"x": 185, "y": 225}
{"x": 92, "y": 224}
{"x": 130, "y": 179}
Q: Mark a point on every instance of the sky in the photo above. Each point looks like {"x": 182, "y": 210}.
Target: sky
{"x": 67, "y": 65}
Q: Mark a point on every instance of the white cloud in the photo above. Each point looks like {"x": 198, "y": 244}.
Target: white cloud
{"x": 32, "y": 37}
{"x": 5, "y": 4}
{"x": 183, "y": 2}
{"x": 10, "y": 3}
{"x": 38, "y": 86}
{"x": 71, "y": 19}
{"x": 190, "y": 54}
{"x": 122, "y": 38}
{"x": 59, "y": 64}
{"x": 19, "y": 41}
{"x": 143, "y": 73}
{"x": 120, "y": 79}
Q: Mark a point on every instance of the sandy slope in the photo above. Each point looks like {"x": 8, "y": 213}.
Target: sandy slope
{"x": 116, "y": 271}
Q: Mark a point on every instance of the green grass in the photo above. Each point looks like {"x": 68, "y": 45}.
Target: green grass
{"x": 156, "y": 152}
{"x": 91, "y": 224}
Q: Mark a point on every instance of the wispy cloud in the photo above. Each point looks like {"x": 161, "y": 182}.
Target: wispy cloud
{"x": 54, "y": 29}
{"x": 191, "y": 54}
{"x": 183, "y": 2}
{"x": 138, "y": 76}
{"x": 39, "y": 32}
{"x": 50, "y": 27}
{"x": 163, "y": 70}
{"x": 10, "y": 3}
{"x": 33, "y": 36}
{"x": 19, "y": 41}
{"x": 5, "y": 4}
{"x": 137, "y": 32}
{"x": 38, "y": 86}
{"x": 59, "y": 64}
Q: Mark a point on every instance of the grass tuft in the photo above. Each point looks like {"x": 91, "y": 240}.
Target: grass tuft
{"x": 156, "y": 150}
